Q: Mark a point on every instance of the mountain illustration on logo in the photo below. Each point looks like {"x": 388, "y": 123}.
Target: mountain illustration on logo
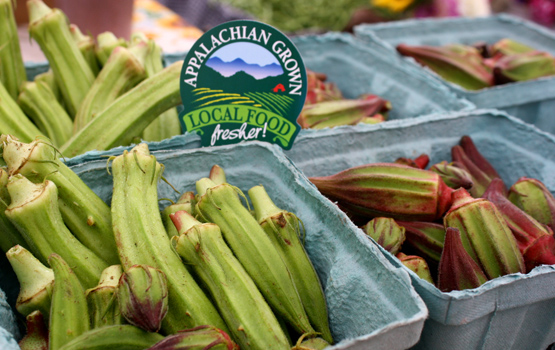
{"x": 257, "y": 71}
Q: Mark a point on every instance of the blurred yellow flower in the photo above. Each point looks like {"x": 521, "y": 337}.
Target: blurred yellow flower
{"x": 392, "y": 5}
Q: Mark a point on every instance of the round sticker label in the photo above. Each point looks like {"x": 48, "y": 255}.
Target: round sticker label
{"x": 243, "y": 80}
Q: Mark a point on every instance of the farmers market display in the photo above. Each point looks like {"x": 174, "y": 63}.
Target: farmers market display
{"x": 480, "y": 66}
{"x": 456, "y": 225}
{"x": 238, "y": 278}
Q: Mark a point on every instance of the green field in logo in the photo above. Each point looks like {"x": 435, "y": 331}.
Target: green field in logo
{"x": 243, "y": 80}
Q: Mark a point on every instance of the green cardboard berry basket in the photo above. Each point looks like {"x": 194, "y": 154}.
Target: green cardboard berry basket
{"x": 515, "y": 311}
{"x": 371, "y": 302}
{"x": 532, "y": 101}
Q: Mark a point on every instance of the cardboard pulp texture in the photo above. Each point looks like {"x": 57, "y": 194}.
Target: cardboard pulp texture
{"x": 532, "y": 101}
{"x": 371, "y": 302}
{"x": 515, "y": 311}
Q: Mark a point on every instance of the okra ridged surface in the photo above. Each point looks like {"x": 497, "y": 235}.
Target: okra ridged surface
{"x": 118, "y": 337}
{"x": 220, "y": 204}
{"x": 142, "y": 239}
{"x": 12, "y": 119}
{"x": 122, "y": 72}
{"x": 12, "y": 68}
{"x": 40, "y": 104}
{"x": 283, "y": 228}
{"x": 50, "y": 29}
{"x": 87, "y": 216}
{"x": 250, "y": 319}
{"x": 127, "y": 117}
{"x": 68, "y": 313}
{"x": 34, "y": 211}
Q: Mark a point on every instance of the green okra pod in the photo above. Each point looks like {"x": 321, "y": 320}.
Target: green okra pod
{"x": 186, "y": 202}
{"x": 127, "y": 116}
{"x": 12, "y": 119}
{"x": 167, "y": 124}
{"x": 9, "y": 235}
{"x": 142, "y": 239}
{"x": 101, "y": 300}
{"x": 12, "y": 68}
{"x": 35, "y": 280}
{"x": 49, "y": 79}
{"x": 122, "y": 71}
{"x": 220, "y": 204}
{"x": 217, "y": 175}
{"x": 34, "y": 211}
{"x": 68, "y": 313}
{"x": 106, "y": 42}
{"x": 251, "y": 321}
{"x": 85, "y": 214}
{"x": 284, "y": 229}
{"x": 118, "y": 337}
{"x": 50, "y": 29}
{"x": 86, "y": 45}
{"x": 40, "y": 104}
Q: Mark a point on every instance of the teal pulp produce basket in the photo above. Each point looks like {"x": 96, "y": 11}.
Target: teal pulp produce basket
{"x": 532, "y": 101}
{"x": 371, "y": 302}
{"x": 516, "y": 311}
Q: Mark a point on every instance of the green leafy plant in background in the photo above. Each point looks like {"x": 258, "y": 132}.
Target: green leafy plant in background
{"x": 292, "y": 16}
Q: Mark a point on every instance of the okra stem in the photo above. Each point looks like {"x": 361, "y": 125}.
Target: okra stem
{"x": 9, "y": 235}
{"x": 106, "y": 43}
{"x": 35, "y": 281}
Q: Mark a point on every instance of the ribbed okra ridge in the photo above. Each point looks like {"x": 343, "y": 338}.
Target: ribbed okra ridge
{"x": 121, "y": 72}
{"x": 12, "y": 119}
{"x": 34, "y": 211}
{"x": 50, "y": 29}
{"x": 40, "y": 104}
{"x": 85, "y": 214}
{"x": 12, "y": 68}
{"x": 127, "y": 116}
{"x": 221, "y": 205}
{"x": 283, "y": 229}
{"x": 167, "y": 124}
{"x": 69, "y": 312}
{"x": 252, "y": 323}
{"x": 141, "y": 239}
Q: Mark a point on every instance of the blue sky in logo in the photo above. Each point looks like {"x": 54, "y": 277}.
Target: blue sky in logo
{"x": 248, "y": 52}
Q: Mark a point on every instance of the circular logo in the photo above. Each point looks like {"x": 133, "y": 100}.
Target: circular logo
{"x": 241, "y": 81}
